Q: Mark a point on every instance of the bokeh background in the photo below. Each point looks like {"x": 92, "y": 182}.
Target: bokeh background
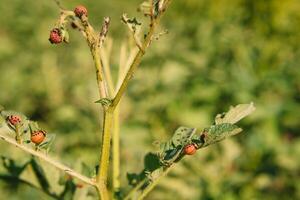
{"x": 217, "y": 53}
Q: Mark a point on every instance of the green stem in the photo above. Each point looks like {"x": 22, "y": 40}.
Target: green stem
{"x": 116, "y": 152}
{"x": 99, "y": 71}
{"x": 107, "y": 72}
{"x": 138, "y": 58}
{"x": 153, "y": 183}
{"x": 105, "y": 153}
{"x": 135, "y": 189}
{"x": 18, "y": 138}
{"x": 136, "y": 62}
{"x": 47, "y": 159}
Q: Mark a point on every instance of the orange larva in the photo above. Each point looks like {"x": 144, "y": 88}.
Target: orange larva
{"x": 37, "y": 137}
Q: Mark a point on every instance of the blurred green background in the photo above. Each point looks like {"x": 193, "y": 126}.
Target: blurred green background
{"x": 218, "y": 53}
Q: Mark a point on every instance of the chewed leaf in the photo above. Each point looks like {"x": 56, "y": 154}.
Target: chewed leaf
{"x": 235, "y": 114}
{"x": 219, "y": 132}
{"x": 182, "y": 136}
{"x": 165, "y": 146}
{"x": 171, "y": 149}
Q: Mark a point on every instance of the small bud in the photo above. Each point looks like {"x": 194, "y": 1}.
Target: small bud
{"x": 190, "y": 149}
{"x": 80, "y": 11}
{"x": 55, "y": 36}
{"x": 37, "y": 137}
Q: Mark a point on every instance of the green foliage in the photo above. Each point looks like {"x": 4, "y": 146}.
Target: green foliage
{"x": 104, "y": 101}
{"x": 157, "y": 164}
{"x": 11, "y": 166}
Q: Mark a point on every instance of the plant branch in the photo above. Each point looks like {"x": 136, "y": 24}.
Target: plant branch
{"x": 104, "y": 31}
{"x": 93, "y": 43}
{"x": 107, "y": 72}
{"x": 138, "y": 57}
{"x": 133, "y": 30}
{"x": 132, "y": 69}
{"x": 153, "y": 183}
{"x": 49, "y": 160}
{"x": 135, "y": 189}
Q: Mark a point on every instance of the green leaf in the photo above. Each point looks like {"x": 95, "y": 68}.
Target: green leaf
{"x": 151, "y": 161}
{"x": 219, "y": 132}
{"x": 104, "y": 101}
{"x": 33, "y": 126}
{"x": 154, "y": 174}
{"x": 181, "y": 137}
{"x": 62, "y": 179}
{"x": 134, "y": 178}
{"x": 13, "y": 168}
{"x": 235, "y": 114}
{"x": 48, "y": 142}
{"x": 40, "y": 174}
{"x": 69, "y": 190}
{"x": 170, "y": 150}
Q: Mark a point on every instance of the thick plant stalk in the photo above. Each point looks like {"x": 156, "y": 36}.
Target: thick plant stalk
{"x": 116, "y": 152}
{"x": 105, "y": 153}
{"x": 109, "y": 112}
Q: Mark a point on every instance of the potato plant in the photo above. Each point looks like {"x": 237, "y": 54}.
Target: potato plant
{"x": 103, "y": 181}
